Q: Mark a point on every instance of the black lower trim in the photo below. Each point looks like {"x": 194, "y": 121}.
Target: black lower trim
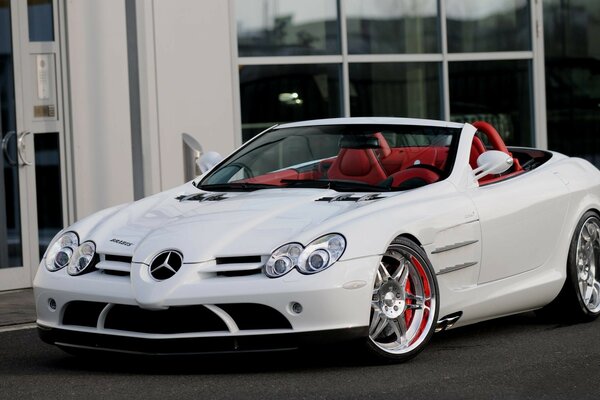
{"x": 205, "y": 345}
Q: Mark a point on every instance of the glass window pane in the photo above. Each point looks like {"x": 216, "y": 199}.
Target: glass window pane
{"x": 41, "y": 20}
{"x": 396, "y": 26}
{"x": 282, "y": 93}
{"x": 396, "y": 89}
{"x": 48, "y": 188}
{"x": 10, "y": 211}
{"x": 480, "y": 26}
{"x": 287, "y": 27}
{"x": 498, "y": 92}
{"x": 572, "y": 52}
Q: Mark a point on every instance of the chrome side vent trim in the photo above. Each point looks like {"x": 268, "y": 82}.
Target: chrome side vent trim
{"x": 453, "y": 246}
{"x": 448, "y": 321}
{"x": 456, "y": 267}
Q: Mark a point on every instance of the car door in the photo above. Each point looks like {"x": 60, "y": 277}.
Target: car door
{"x": 521, "y": 219}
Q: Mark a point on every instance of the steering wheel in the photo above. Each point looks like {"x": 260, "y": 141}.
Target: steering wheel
{"x": 492, "y": 134}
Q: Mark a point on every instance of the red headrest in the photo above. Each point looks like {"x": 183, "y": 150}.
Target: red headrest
{"x": 354, "y": 162}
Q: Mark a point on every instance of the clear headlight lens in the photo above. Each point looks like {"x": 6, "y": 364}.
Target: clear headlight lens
{"x": 283, "y": 260}
{"x": 82, "y": 258}
{"x": 317, "y": 256}
{"x": 60, "y": 251}
{"x": 321, "y": 253}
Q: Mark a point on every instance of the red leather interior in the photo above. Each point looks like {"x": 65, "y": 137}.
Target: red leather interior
{"x": 357, "y": 164}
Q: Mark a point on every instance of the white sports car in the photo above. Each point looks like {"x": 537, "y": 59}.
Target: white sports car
{"x": 375, "y": 231}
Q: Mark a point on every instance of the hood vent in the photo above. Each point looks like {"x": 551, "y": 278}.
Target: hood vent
{"x": 352, "y": 197}
{"x": 202, "y": 197}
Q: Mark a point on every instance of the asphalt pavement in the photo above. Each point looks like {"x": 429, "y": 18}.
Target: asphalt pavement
{"x": 517, "y": 357}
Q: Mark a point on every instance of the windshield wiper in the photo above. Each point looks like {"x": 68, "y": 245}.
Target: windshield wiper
{"x": 338, "y": 185}
{"x": 236, "y": 187}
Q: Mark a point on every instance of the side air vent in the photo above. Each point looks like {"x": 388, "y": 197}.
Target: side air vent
{"x": 202, "y": 197}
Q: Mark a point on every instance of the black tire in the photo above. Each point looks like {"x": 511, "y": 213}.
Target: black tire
{"x": 405, "y": 305}
{"x": 571, "y": 305}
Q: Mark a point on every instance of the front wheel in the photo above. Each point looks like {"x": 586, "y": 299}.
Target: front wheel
{"x": 404, "y": 305}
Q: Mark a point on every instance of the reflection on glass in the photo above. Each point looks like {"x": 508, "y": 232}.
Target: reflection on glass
{"x": 10, "y": 222}
{"x": 283, "y": 93}
{"x": 287, "y": 27}
{"x": 572, "y": 54}
{"x": 41, "y": 22}
{"x": 498, "y": 92}
{"x": 392, "y": 26}
{"x": 484, "y": 25}
{"x": 48, "y": 188}
{"x": 396, "y": 89}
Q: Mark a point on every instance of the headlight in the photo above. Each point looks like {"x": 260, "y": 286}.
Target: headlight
{"x": 283, "y": 260}
{"x": 82, "y": 258}
{"x": 60, "y": 251}
{"x": 321, "y": 253}
{"x": 317, "y": 256}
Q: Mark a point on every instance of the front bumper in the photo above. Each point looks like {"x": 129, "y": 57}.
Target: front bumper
{"x": 132, "y": 314}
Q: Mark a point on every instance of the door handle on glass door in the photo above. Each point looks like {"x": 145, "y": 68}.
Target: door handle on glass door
{"x": 5, "y": 141}
{"x": 21, "y": 147}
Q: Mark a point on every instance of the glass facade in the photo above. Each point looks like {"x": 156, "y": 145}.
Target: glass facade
{"x": 572, "y": 60}
{"x": 441, "y": 59}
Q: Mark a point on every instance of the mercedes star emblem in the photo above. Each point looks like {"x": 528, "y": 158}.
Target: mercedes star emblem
{"x": 165, "y": 265}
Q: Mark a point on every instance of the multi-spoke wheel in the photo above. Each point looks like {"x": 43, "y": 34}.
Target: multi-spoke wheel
{"x": 404, "y": 305}
{"x": 579, "y": 299}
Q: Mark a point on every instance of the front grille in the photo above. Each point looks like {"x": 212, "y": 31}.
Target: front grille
{"x": 246, "y": 272}
{"x": 176, "y": 319}
{"x": 184, "y": 319}
{"x": 83, "y": 313}
{"x": 238, "y": 260}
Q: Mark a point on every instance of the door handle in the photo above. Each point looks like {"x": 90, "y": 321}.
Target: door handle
{"x": 5, "y": 141}
{"x": 21, "y": 148}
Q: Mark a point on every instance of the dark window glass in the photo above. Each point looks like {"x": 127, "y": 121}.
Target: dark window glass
{"x": 498, "y": 92}
{"x": 396, "y": 89}
{"x": 376, "y": 27}
{"x": 282, "y": 93}
{"x": 10, "y": 212}
{"x": 572, "y": 52}
{"x": 287, "y": 27}
{"x": 48, "y": 188}
{"x": 41, "y": 20}
{"x": 485, "y": 25}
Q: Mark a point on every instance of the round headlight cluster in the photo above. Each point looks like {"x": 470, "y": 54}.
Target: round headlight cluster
{"x": 317, "y": 256}
{"x": 82, "y": 258}
{"x": 60, "y": 251}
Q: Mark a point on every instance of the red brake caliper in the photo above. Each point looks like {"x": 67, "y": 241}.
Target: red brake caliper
{"x": 426, "y": 293}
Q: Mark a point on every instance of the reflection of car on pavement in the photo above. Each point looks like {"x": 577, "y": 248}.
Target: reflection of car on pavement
{"x": 374, "y": 231}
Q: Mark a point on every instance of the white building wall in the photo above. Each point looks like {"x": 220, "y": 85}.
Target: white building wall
{"x": 99, "y": 101}
{"x": 194, "y": 89}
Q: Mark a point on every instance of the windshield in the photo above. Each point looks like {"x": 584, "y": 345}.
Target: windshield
{"x": 340, "y": 157}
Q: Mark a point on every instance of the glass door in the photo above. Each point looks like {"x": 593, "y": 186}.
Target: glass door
{"x": 31, "y": 132}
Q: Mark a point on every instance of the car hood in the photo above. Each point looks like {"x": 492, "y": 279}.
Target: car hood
{"x": 205, "y": 225}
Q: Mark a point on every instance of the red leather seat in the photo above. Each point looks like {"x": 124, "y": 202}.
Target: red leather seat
{"x": 357, "y": 165}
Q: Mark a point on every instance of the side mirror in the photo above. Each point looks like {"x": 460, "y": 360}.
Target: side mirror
{"x": 492, "y": 162}
{"x": 208, "y": 160}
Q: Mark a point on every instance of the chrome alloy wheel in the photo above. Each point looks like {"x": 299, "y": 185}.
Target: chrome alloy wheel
{"x": 403, "y": 303}
{"x": 587, "y": 259}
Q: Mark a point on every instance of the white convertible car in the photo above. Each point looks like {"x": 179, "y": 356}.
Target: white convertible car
{"x": 372, "y": 231}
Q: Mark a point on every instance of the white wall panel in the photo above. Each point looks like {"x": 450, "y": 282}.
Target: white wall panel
{"x": 99, "y": 96}
{"x": 193, "y": 80}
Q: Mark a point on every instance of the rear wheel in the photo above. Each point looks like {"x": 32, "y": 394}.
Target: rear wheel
{"x": 579, "y": 299}
{"x": 404, "y": 305}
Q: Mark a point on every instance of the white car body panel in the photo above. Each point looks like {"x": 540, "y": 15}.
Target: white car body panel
{"x": 517, "y": 232}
